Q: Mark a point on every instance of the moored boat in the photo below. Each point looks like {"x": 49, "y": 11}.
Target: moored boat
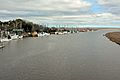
{"x": 20, "y": 37}
{"x": 4, "y": 40}
{"x": 43, "y": 34}
{"x": 2, "y": 46}
{"x": 14, "y": 37}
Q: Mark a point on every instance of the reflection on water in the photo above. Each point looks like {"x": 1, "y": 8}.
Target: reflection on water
{"x": 81, "y": 56}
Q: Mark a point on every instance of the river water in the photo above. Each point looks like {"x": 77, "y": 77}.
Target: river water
{"x": 79, "y": 56}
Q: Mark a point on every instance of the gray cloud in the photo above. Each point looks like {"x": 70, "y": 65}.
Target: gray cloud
{"x": 111, "y": 6}
{"x": 30, "y": 8}
{"x": 61, "y": 11}
{"x": 108, "y": 2}
{"x": 58, "y": 5}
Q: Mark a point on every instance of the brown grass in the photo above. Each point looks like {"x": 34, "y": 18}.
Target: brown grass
{"x": 114, "y": 36}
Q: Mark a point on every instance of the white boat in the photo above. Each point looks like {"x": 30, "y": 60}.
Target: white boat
{"x": 59, "y": 33}
{"x": 14, "y": 37}
{"x": 65, "y": 32}
{"x": 40, "y": 35}
{"x": 2, "y": 46}
{"x": 43, "y": 34}
{"x": 46, "y": 34}
{"x": 20, "y": 37}
{"x": 4, "y": 40}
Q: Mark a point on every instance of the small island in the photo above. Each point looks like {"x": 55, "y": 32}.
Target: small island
{"x": 114, "y": 37}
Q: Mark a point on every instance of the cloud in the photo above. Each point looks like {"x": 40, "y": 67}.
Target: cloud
{"x": 86, "y": 19}
{"x": 57, "y": 5}
{"x": 29, "y": 8}
{"x": 111, "y": 6}
{"x": 104, "y": 12}
{"x": 109, "y": 2}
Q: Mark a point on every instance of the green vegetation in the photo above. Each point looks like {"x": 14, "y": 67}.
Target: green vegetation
{"x": 21, "y": 24}
{"x": 27, "y": 27}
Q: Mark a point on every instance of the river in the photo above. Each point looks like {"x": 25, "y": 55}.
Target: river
{"x": 79, "y": 56}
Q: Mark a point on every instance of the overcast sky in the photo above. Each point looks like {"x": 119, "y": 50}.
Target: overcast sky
{"x": 85, "y": 12}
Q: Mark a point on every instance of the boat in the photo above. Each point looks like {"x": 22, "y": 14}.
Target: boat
{"x": 43, "y": 34}
{"x": 14, "y": 37}
{"x": 40, "y": 35}
{"x": 4, "y": 40}
{"x": 59, "y": 33}
{"x": 20, "y": 37}
{"x": 65, "y": 32}
{"x": 46, "y": 34}
{"x": 2, "y": 46}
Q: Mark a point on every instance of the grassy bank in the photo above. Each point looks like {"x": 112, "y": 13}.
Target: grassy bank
{"x": 114, "y": 36}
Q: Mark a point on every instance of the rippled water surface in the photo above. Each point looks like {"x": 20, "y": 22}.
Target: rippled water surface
{"x": 81, "y": 56}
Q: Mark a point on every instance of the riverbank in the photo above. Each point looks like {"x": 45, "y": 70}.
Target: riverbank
{"x": 114, "y": 37}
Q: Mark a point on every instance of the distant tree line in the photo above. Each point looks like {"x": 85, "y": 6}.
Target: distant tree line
{"x": 26, "y": 26}
{"x": 22, "y": 24}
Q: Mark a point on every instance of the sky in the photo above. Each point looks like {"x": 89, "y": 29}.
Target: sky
{"x": 104, "y": 13}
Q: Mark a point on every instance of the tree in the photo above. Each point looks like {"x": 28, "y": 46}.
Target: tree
{"x": 22, "y": 24}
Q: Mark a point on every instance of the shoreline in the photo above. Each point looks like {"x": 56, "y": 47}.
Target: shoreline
{"x": 114, "y": 37}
